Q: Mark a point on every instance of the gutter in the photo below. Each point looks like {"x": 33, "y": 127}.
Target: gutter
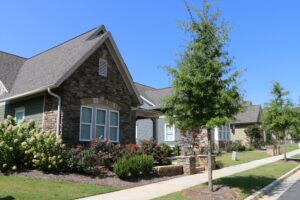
{"x": 58, "y": 111}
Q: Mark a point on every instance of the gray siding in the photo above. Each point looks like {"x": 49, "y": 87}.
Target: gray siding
{"x": 144, "y": 128}
{"x": 2, "y": 111}
{"x": 33, "y": 109}
{"x": 161, "y": 133}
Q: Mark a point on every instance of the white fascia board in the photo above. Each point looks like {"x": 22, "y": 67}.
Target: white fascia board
{"x": 147, "y": 101}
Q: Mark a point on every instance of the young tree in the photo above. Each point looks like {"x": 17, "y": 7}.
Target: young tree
{"x": 254, "y": 133}
{"x": 280, "y": 115}
{"x": 205, "y": 87}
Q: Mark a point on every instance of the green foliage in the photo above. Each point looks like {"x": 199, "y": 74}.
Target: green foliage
{"x": 176, "y": 150}
{"x": 12, "y": 138}
{"x": 160, "y": 154}
{"x": 205, "y": 88}
{"x": 279, "y": 114}
{"x": 235, "y": 146}
{"x": 254, "y": 133}
{"x": 26, "y": 146}
{"x": 133, "y": 166}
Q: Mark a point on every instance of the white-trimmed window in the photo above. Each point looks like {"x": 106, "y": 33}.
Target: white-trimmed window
{"x": 114, "y": 126}
{"x": 19, "y": 114}
{"x": 86, "y": 119}
{"x": 169, "y": 132}
{"x": 100, "y": 123}
{"x": 224, "y": 132}
{"x": 102, "y": 67}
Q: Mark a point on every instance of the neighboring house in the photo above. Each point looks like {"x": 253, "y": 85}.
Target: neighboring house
{"x": 81, "y": 89}
{"x": 164, "y": 133}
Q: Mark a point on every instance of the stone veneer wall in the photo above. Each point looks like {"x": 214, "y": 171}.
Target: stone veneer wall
{"x": 85, "y": 86}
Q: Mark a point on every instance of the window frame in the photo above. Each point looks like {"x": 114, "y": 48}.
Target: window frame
{"x": 84, "y": 123}
{"x": 113, "y": 126}
{"x": 101, "y": 125}
{"x": 173, "y": 133}
{"x": 17, "y": 110}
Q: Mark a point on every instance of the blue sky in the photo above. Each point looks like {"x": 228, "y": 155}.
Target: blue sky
{"x": 265, "y": 36}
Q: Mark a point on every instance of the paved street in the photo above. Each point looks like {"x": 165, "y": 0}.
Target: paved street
{"x": 288, "y": 189}
{"x": 293, "y": 193}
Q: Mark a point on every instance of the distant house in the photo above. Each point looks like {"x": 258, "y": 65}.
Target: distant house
{"x": 164, "y": 133}
{"x": 81, "y": 89}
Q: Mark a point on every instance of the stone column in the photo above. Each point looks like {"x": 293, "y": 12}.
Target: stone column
{"x": 203, "y": 162}
{"x": 188, "y": 163}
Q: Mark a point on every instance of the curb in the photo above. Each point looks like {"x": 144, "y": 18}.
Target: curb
{"x": 269, "y": 187}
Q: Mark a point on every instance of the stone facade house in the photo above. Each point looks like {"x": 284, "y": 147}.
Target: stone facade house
{"x": 164, "y": 133}
{"x": 81, "y": 89}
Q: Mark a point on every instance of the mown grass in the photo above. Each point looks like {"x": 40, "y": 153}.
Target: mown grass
{"x": 242, "y": 157}
{"x": 14, "y": 187}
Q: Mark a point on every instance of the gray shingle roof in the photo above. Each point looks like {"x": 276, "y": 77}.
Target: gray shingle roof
{"x": 250, "y": 114}
{"x": 50, "y": 68}
{"x": 9, "y": 67}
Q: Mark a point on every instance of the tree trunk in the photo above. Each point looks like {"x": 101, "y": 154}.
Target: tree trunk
{"x": 284, "y": 146}
{"x": 209, "y": 167}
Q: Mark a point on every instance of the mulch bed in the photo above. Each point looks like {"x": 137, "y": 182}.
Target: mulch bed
{"x": 203, "y": 193}
{"x": 106, "y": 179}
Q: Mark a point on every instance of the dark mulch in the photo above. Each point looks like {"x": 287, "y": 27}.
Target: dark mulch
{"x": 106, "y": 179}
{"x": 203, "y": 193}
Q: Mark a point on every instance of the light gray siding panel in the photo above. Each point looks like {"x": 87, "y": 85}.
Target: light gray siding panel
{"x": 33, "y": 109}
{"x": 2, "y": 111}
{"x": 144, "y": 129}
{"x": 161, "y": 133}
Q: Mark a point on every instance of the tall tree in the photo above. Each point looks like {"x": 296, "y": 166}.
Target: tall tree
{"x": 205, "y": 84}
{"x": 280, "y": 116}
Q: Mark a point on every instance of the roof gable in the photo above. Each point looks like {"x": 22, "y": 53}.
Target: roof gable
{"x": 50, "y": 68}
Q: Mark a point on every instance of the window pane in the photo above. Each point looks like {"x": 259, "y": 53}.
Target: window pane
{"x": 114, "y": 119}
{"x": 86, "y": 115}
{"x": 19, "y": 117}
{"x": 85, "y": 131}
{"x": 113, "y": 134}
{"x": 100, "y": 132}
{"x": 100, "y": 118}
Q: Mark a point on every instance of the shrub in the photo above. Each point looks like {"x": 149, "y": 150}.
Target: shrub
{"x": 176, "y": 150}
{"x": 235, "y": 146}
{"x": 45, "y": 149}
{"x": 121, "y": 168}
{"x": 149, "y": 147}
{"x": 254, "y": 134}
{"x": 134, "y": 166}
{"x": 12, "y": 138}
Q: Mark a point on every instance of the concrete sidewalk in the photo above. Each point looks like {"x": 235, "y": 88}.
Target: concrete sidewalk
{"x": 155, "y": 190}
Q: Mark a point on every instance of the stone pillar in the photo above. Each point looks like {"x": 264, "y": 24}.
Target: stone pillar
{"x": 203, "y": 162}
{"x": 188, "y": 163}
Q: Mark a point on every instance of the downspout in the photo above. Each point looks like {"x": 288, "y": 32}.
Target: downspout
{"x": 58, "y": 110}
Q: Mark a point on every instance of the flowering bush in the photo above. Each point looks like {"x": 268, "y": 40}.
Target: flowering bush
{"x": 159, "y": 153}
{"x": 26, "y": 146}
{"x": 12, "y": 137}
{"x": 45, "y": 150}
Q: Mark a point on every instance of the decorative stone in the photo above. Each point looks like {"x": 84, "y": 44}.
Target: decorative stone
{"x": 188, "y": 163}
{"x": 203, "y": 161}
{"x": 168, "y": 170}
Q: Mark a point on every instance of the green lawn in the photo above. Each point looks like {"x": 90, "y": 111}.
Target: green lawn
{"x": 242, "y": 157}
{"x": 14, "y": 187}
{"x": 248, "y": 182}
{"x": 290, "y": 147}
{"x": 296, "y": 156}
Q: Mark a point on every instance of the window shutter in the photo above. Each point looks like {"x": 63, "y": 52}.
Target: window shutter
{"x": 102, "y": 67}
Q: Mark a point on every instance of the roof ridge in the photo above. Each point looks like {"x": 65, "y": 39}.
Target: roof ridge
{"x": 13, "y": 54}
{"x": 60, "y": 44}
{"x": 145, "y": 85}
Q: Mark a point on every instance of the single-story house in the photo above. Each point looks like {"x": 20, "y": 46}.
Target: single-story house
{"x": 153, "y": 100}
{"x": 81, "y": 89}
